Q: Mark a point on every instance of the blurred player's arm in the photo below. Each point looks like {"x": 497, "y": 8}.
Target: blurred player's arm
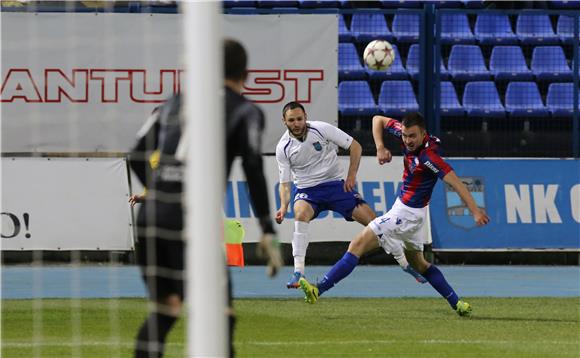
{"x": 147, "y": 142}
{"x": 253, "y": 166}
{"x": 479, "y": 214}
{"x": 379, "y": 125}
{"x": 355, "y": 152}
{"x": 284, "y": 190}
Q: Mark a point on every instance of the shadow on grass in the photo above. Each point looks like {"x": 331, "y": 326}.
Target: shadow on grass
{"x": 522, "y": 319}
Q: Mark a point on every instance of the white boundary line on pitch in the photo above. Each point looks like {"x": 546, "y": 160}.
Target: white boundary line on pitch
{"x": 280, "y": 343}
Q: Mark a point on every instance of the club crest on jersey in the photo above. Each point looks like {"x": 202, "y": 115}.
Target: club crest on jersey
{"x": 457, "y": 212}
{"x": 317, "y": 146}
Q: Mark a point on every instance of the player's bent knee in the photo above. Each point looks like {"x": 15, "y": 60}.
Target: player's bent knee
{"x": 365, "y": 241}
{"x": 417, "y": 261}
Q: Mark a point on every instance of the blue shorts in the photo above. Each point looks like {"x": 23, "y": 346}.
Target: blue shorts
{"x": 330, "y": 196}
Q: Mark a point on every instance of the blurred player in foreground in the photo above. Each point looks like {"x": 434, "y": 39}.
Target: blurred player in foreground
{"x": 307, "y": 152}
{"x": 161, "y": 245}
{"x": 423, "y": 166}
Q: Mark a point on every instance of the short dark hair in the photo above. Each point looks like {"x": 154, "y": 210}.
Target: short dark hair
{"x": 292, "y": 105}
{"x": 413, "y": 119}
{"x": 235, "y": 60}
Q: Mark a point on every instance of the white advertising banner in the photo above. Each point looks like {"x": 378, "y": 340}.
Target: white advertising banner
{"x": 86, "y": 82}
{"x": 65, "y": 204}
{"x": 379, "y": 186}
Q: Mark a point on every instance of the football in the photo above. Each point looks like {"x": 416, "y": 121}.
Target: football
{"x": 379, "y": 55}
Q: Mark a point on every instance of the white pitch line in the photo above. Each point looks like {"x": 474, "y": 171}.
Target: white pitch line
{"x": 426, "y": 342}
{"x": 21, "y": 344}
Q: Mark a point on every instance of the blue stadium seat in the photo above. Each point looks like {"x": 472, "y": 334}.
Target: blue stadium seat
{"x": 406, "y": 27}
{"x": 572, "y": 5}
{"x": 397, "y": 4}
{"x": 276, "y": 3}
{"x": 473, "y": 4}
{"x": 395, "y": 72}
{"x": 480, "y": 99}
{"x": 560, "y": 99}
{"x": 509, "y": 63}
{"x": 366, "y": 27}
{"x": 442, "y": 4}
{"x": 522, "y": 99}
{"x": 349, "y": 66}
{"x": 355, "y": 98}
{"x": 344, "y": 34}
{"x": 413, "y": 64}
{"x": 565, "y": 28}
{"x": 239, "y": 3}
{"x": 397, "y": 98}
{"x": 248, "y": 10}
{"x": 318, "y": 4}
{"x": 466, "y": 63}
{"x": 494, "y": 29}
{"x": 455, "y": 29}
{"x": 535, "y": 29}
{"x": 450, "y": 105}
{"x": 549, "y": 64}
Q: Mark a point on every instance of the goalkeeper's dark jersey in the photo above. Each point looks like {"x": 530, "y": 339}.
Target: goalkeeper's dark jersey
{"x": 244, "y": 127}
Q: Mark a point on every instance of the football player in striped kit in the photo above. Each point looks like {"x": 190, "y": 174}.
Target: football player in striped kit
{"x": 403, "y": 222}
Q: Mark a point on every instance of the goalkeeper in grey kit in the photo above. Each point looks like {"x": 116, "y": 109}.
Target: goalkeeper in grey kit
{"x": 161, "y": 244}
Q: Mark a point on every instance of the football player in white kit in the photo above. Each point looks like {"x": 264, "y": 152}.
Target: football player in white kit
{"x": 307, "y": 153}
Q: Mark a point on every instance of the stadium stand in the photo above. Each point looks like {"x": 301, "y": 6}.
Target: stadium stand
{"x": 466, "y": 63}
{"x": 397, "y": 98}
{"x": 509, "y": 63}
{"x": 406, "y": 27}
{"x": 535, "y": 29}
{"x": 481, "y": 99}
{"x": 560, "y": 99}
{"x": 450, "y": 105}
{"x": 355, "y": 98}
{"x": 494, "y": 29}
{"x": 523, "y": 99}
{"x": 455, "y": 29}
{"x": 549, "y": 64}
{"x": 349, "y": 66}
{"x": 366, "y": 27}
{"x": 413, "y": 64}
{"x": 344, "y": 34}
{"x": 565, "y": 28}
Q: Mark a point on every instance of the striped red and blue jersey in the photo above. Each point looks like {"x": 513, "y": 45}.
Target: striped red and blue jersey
{"x": 422, "y": 168}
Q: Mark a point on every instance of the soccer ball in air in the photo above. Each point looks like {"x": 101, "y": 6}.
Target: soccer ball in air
{"x": 379, "y": 55}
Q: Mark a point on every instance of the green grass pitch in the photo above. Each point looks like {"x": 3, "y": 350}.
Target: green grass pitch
{"x": 387, "y": 327}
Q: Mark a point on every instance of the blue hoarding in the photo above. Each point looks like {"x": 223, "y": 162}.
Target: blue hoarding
{"x": 533, "y": 204}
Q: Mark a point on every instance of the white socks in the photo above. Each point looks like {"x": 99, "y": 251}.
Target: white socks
{"x": 299, "y": 245}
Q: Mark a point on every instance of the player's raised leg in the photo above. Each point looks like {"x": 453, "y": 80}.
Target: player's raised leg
{"x": 363, "y": 214}
{"x": 438, "y": 281}
{"x": 303, "y": 213}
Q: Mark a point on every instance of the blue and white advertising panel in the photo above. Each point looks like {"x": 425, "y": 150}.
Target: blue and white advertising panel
{"x": 533, "y": 204}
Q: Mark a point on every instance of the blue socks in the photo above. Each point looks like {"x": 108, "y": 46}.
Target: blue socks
{"x": 340, "y": 270}
{"x": 437, "y": 280}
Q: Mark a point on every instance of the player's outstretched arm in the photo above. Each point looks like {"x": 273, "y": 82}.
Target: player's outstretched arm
{"x": 355, "y": 151}
{"x": 284, "y": 190}
{"x": 379, "y": 124}
{"x": 479, "y": 214}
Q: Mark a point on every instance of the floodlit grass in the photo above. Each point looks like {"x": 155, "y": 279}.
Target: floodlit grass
{"x": 408, "y": 327}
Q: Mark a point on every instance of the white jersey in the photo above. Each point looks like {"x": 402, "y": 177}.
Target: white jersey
{"x": 315, "y": 160}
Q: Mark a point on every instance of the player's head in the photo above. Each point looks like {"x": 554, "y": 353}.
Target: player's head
{"x": 235, "y": 61}
{"x": 294, "y": 117}
{"x": 413, "y": 130}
